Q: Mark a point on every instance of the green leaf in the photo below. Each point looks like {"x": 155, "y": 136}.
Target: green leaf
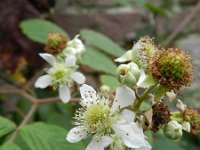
{"x": 98, "y": 61}
{"x": 41, "y": 136}
{"x": 162, "y": 143}
{"x": 110, "y": 81}
{"x": 37, "y": 29}
{"x": 6, "y": 126}
{"x": 101, "y": 42}
{"x": 10, "y": 146}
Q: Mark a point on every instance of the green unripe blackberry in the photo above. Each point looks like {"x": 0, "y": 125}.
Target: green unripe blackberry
{"x": 172, "y": 68}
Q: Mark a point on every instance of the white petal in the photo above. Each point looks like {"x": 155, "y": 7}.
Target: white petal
{"x": 142, "y": 77}
{"x": 186, "y": 126}
{"x": 88, "y": 94}
{"x": 76, "y": 134}
{"x": 64, "y": 93}
{"x": 180, "y": 105}
{"x": 128, "y": 115}
{"x": 147, "y": 82}
{"x": 43, "y": 81}
{"x": 70, "y": 60}
{"x": 78, "y": 77}
{"x": 131, "y": 135}
{"x": 48, "y": 57}
{"x": 79, "y": 46}
{"x": 100, "y": 143}
{"x": 125, "y": 57}
{"x": 124, "y": 97}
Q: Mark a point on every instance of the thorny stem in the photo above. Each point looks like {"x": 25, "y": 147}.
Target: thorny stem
{"x": 139, "y": 100}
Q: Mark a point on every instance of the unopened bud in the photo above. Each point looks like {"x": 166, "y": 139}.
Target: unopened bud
{"x": 128, "y": 74}
{"x": 173, "y": 130}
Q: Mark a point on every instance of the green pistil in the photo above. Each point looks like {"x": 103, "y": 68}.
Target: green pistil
{"x": 60, "y": 75}
{"x": 98, "y": 119}
{"x": 172, "y": 67}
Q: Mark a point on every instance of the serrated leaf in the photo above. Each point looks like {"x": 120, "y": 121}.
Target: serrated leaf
{"x": 41, "y": 136}
{"x": 110, "y": 81}
{"x": 10, "y": 146}
{"x": 6, "y": 126}
{"x": 101, "y": 42}
{"x": 98, "y": 61}
{"x": 37, "y": 29}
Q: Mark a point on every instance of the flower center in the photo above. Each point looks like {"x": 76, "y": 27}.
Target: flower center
{"x": 172, "y": 67}
{"x": 98, "y": 119}
{"x": 60, "y": 74}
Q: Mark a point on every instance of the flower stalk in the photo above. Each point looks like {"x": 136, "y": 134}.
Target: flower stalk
{"x": 139, "y": 101}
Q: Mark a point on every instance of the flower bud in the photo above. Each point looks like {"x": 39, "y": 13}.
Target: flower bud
{"x": 128, "y": 74}
{"x": 75, "y": 46}
{"x": 55, "y": 43}
{"x": 173, "y": 130}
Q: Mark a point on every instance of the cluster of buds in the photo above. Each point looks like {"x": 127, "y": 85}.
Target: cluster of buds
{"x": 62, "y": 56}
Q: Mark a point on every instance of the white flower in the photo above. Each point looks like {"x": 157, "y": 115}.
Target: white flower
{"x": 103, "y": 120}
{"x": 75, "y": 46}
{"x": 60, "y": 75}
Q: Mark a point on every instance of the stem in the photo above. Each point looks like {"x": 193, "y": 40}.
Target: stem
{"x": 139, "y": 101}
{"x": 35, "y": 104}
{"x": 25, "y": 121}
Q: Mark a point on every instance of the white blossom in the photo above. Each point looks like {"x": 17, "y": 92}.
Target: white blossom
{"x": 102, "y": 118}
{"x": 60, "y": 75}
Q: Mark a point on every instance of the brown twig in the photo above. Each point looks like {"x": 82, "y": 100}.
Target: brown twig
{"x": 25, "y": 121}
{"x": 11, "y": 89}
{"x": 182, "y": 24}
{"x": 20, "y": 112}
{"x": 55, "y": 99}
